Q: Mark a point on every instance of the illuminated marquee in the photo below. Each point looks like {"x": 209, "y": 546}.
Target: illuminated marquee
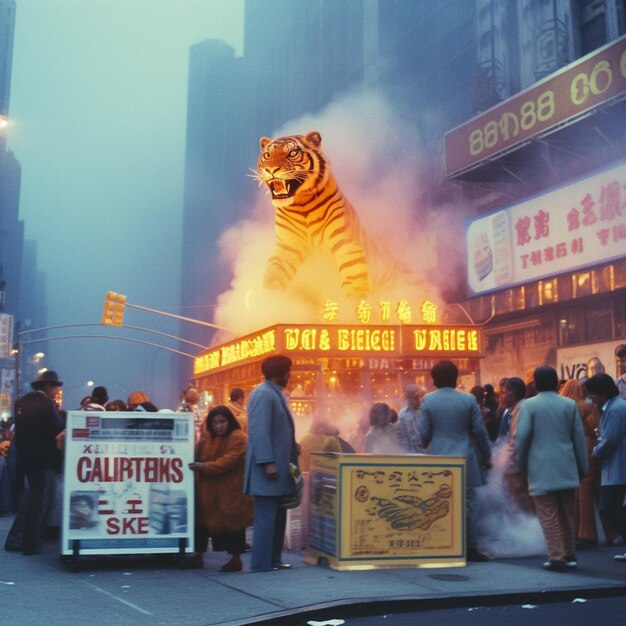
{"x": 445, "y": 339}
{"x": 340, "y": 339}
{"x": 236, "y": 351}
{"x": 316, "y": 340}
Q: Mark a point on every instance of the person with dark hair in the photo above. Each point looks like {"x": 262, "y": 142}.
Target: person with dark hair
{"x": 510, "y": 400}
{"x": 590, "y": 485}
{"x": 516, "y": 481}
{"x": 478, "y": 391}
{"x": 620, "y": 363}
{"x": 235, "y": 404}
{"x": 444, "y": 374}
{"x": 99, "y": 398}
{"x": 490, "y": 405}
{"x": 271, "y": 450}
{"x": 381, "y": 438}
{"x": 550, "y": 448}
{"x": 453, "y": 425}
{"x": 38, "y": 424}
{"x": 611, "y": 450}
{"x": 84, "y": 403}
{"x": 223, "y": 511}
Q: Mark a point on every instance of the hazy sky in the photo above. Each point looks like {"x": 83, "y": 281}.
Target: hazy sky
{"x": 98, "y": 110}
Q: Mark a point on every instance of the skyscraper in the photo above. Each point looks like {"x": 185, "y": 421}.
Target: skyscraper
{"x": 7, "y": 28}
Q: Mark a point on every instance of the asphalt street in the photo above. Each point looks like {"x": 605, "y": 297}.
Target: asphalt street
{"x": 41, "y": 589}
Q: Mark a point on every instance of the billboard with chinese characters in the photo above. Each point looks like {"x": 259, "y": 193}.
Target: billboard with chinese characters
{"x": 563, "y": 96}
{"x": 127, "y": 487}
{"x": 574, "y": 226}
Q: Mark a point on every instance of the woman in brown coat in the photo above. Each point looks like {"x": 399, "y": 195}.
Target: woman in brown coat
{"x": 589, "y": 490}
{"x": 223, "y": 511}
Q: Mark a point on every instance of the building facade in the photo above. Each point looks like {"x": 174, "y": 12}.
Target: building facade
{"x": 546, "y": 260}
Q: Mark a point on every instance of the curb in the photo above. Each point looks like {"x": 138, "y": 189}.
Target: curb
{"x": 346, "y": 608}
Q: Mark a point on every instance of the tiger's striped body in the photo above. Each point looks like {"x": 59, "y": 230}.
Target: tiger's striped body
{"x": 312, "y": 214}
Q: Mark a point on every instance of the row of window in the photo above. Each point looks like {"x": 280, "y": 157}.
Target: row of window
{"x": 597, "y": 320}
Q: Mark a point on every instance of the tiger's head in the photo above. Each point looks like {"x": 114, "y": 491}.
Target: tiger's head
{"x": 294, "y": 168}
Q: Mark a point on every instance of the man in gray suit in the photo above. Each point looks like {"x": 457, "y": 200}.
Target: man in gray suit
{"x": 271, "y": 448}
{"x": 611, "y": 450}
{"x": 550, "y": 447}
{"x": 453, "y": 425}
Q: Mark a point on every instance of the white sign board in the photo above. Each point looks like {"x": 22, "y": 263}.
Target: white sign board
{"x": 572, "y": 362}
{"x": 127, "y": 486}
{"x": 573, "y": 226}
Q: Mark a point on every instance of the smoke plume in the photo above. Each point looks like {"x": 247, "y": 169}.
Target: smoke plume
{"x": 375, "y": 157}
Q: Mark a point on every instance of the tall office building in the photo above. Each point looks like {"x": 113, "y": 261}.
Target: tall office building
{"x": 7, "y": 28}
{"x": 11, "y": 228}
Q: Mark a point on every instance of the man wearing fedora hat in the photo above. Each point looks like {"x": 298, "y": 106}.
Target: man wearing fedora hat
{"x": 37, "y": 424}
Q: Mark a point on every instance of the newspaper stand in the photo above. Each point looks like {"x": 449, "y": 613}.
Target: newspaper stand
{"x": 127, "y": 487}
{"x": 371, "y": 511}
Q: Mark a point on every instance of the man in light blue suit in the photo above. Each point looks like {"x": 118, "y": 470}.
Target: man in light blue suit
{"x": 271, "y": 448}
{"x": 611, "y": 450}
{"x": 550, "y": 448}
{"x": 453, "y": 425}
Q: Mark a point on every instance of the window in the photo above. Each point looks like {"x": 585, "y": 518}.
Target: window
{"x": 582, "y": 284}
{"x": 598, "y": 323}
{"x": 571, "y": 328}
{"x": 593, "y": 32}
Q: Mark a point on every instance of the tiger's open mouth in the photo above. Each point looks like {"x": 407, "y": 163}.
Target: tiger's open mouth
{"x": 283, "y": 188}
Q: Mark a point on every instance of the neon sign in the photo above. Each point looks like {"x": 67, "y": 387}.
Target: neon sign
{"x": 236, "y": 351}
{"x": 366, "y": 311}
{"x": 348, "y": 341}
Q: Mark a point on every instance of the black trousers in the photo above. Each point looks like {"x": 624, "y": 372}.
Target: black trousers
{"x": 611, "y": 507}
{"x": 233, "y": 543}
{"x": 34, "y": 507}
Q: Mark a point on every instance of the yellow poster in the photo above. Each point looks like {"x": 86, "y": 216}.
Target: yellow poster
{"x": 387, "y": 511}
{"x": 400, "y": 510}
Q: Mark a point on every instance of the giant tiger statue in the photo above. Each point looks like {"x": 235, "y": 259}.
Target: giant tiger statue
{"x": 312, "y": 214}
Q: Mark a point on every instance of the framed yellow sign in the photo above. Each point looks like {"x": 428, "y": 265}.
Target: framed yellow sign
{"x": 371, "y": 511}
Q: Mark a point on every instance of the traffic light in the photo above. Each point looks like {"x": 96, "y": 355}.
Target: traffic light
{"x": 113, "y": 309}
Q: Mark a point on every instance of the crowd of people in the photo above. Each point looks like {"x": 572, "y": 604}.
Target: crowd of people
{"x": 561, "y": 447}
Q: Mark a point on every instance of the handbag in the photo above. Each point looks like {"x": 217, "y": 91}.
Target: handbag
{"x": 294, "y": 499}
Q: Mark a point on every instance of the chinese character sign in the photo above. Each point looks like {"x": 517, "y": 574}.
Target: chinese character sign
{"x": 571, "y": 227}
{"x": 127, "y": 487}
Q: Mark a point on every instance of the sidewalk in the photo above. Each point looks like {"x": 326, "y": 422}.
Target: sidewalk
{"x": 40, "y": 589}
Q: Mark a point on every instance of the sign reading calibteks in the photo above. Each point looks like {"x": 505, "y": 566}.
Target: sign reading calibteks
{"x": 127, "y": 487}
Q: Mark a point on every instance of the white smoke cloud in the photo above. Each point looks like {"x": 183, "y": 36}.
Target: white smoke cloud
{"x": 375, "y": 157}
{"x": 505, "y": 531}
